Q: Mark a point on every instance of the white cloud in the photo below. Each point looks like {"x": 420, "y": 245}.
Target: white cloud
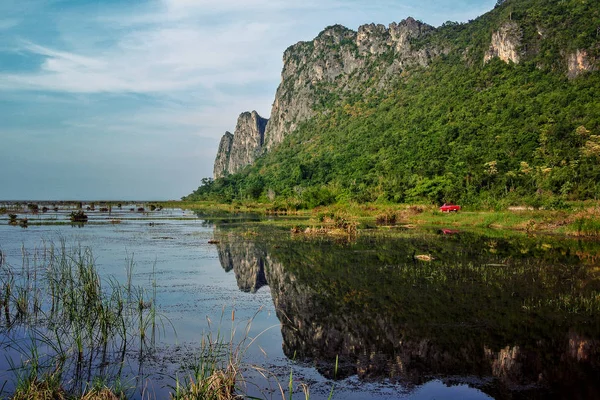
{"x": 173, "y": 45}
{"x": 162, "y": 59}
{"x": 162, "y": 49}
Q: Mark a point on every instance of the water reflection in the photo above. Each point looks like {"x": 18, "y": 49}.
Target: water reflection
{"x": 520, "y": 315}
{"x": 246, "y": 261}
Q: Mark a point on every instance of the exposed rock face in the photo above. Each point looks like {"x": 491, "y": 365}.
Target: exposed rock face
{"x": 506, "y": 42}
{"x": 240, "y": 149}
{"x": 222, "y": 159}
{"x": 372, "y": 39}
{"x": 247, "y": 140}
{"x": 578, "y": 63}
{"x": 337, "y": 62}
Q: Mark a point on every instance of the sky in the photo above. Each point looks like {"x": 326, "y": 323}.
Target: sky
{"x": 128, "y": 99}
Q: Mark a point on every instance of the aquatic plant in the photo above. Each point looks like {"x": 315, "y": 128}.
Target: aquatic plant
{"x": 12, "y": 219}
{"x": 217, "y": 371}
{"x": 335, "y": 224}
{"x": 83, "y": 326}
{"x": 78, "y": 216}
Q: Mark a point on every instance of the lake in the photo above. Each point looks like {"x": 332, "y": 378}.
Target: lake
{"x": 389, "y": 313}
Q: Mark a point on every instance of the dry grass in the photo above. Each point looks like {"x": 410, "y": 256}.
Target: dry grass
{"x": 40, "y": 390}
{"x": 332, "y": 224}
{"x": 43, "y": 390}
{"x": 220, "y": 385}
{"x": 100, "y": 394}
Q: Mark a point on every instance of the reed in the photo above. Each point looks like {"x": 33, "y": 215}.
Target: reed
{"x": 76, "y": 324}
{"x": 219, "y": 372}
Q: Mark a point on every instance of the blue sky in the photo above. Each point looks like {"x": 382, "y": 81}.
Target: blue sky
{"x": 128, "y": 99}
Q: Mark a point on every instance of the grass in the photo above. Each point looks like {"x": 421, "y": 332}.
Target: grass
{"x": 580, "y": 219}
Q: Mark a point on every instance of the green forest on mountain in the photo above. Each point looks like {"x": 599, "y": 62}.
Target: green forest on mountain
{"x": 458, "y": 130}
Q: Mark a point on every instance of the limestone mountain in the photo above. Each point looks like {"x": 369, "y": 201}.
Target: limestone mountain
{"x": 339, "y": 62}
{"x": 504, "y": 106}
{"x": 240, "y": 149}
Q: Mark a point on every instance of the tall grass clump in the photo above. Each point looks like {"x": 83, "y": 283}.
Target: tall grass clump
{"x": 215, "y": 373}
{"x": 586, "y": 222}
{"x": 219, "y": 372}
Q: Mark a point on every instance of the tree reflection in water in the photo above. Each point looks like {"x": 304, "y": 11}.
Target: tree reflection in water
{"x": 521, "y": 313}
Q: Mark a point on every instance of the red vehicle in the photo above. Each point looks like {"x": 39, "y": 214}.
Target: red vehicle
{"x": 449, "y": 208}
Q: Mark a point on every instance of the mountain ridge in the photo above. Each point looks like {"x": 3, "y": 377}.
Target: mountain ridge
{"x": 353, "y": 73}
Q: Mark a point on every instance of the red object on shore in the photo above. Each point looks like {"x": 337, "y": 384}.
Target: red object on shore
{"x": 449, "y": 208}
{"x": 450, "y": 231}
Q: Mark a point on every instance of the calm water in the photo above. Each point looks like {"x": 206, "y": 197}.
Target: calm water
{"x": 489, "y": 317}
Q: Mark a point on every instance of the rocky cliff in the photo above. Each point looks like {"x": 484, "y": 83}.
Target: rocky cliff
{"x": 240, "y": 149}
{"x": 580, "y": 62}
{"x": 223, "y": 154}
{"x": 505, "y": 44}
{"x": 337, "y": 62}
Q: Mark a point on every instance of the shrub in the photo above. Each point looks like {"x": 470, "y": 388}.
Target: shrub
{"x": 78, "y": 216}
{"x": 318, "y": 196}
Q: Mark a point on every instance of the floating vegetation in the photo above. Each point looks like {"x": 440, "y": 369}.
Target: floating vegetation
{"x": 12, "y": 219}
{"x": 423, "y": 257}
{"x": 331, "y": 224}
{"x": 78, "y": 216}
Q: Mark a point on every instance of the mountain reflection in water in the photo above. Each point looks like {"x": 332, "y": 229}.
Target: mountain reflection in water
{"x": 520, "y": 314}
